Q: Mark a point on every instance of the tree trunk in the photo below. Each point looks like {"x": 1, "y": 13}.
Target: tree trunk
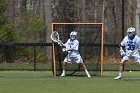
{"x": 83, "y": 11}
{"x": 11, "y": 11}
{"x": 138, "y": 17}
{"x": 48, "y": 21}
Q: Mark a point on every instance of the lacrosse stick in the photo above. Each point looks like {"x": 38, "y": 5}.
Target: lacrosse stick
{"x": 55, "y": 38}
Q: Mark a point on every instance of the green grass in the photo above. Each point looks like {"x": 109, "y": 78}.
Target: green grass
{"x": 44, "y": 82}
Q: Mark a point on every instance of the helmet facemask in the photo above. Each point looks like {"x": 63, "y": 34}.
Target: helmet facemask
{"x": 73, "y": 35}
{"x": 131, "y": 33}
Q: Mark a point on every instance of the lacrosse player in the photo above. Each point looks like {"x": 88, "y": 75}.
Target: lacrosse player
{"x": 71, "y": 46}
{"x": 129, "y": 48}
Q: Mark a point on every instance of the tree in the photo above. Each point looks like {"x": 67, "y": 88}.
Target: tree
{"x": 48, "y": 21}
{"x": 30, "y": 26}
{"x": 8, "y": 34}
{"x": 3, "y": 4}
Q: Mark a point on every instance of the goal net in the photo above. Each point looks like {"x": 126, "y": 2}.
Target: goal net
{"x": 90, "y": 36}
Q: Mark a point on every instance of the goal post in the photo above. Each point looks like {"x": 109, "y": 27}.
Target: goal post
{"x": 91, "y": 39}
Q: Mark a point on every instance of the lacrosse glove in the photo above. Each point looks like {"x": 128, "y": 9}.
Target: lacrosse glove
{"x": 122, "y": 53}
{"x": 60, "y": 43}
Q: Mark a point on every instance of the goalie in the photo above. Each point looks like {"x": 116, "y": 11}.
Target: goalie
{"x": 71, "y": 46}
{"x": 131, "y": 44}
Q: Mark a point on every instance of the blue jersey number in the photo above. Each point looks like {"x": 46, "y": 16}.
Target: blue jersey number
{"x": 131, "y": 47}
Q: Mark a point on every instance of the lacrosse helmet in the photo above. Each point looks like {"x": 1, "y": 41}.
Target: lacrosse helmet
{"x": 131, "y": 32}
{"x": 73, "y": 35}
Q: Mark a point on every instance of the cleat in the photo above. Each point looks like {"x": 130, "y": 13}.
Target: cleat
{"x": 118, "y": 77}
{"x": 63, "y": 74}
{"x": 88, "y": 75}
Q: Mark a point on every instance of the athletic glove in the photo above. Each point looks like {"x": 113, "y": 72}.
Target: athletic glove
{"x": 60, "y": 43}
{"x": 122, "y": 53}
{"x": 64, "y": 49}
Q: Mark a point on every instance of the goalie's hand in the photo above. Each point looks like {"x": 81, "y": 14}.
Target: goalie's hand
{"x": 122, "y": 53}
{"x": 64, "y": 49}
{"x": 60, "y": 43}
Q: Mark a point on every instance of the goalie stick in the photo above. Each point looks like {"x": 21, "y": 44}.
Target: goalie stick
{"x": 55, "y": 38}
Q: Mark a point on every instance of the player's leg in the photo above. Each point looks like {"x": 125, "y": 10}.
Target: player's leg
{"x": 80, "y": 61}
{"x": 86, "y": 71}
{"x": 121, "y": 68}
{"x": 66, "y": 60}
{"x": 137, "y": 59}
{"x": 63, "y": 69}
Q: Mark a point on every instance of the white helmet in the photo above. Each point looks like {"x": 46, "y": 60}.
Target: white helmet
{"x": 131, "y": 32}
{"x": 73, "y": 35}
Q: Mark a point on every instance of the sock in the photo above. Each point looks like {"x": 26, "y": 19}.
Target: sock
{"x": 120, "y": 74}
{"x": 63, "y": 71}
{"x": 86, "y": 72}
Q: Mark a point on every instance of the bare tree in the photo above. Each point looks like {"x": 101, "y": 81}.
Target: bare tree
{"x": 11, "y": 11}
{"x": 83, "y": 11}
{"x": 48, "y": 21}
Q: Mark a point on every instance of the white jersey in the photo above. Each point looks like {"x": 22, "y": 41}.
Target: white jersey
{"x": 131, "y": 48}
{"x": 74, "y": 44}
{"x": 131, "y": 45}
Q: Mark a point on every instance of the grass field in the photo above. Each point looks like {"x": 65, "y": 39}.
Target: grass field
{"x": 44, "y": 82}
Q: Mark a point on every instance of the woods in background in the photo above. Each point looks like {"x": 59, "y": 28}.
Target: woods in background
{"x": 30, "y": 20}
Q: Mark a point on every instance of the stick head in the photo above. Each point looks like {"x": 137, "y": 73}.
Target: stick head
{"x": 55, "y": 36}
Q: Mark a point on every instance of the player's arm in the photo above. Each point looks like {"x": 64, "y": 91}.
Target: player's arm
{"x": 122, "y": 53}
{"x": 121, "y": 47}
{"x": 139, "y": 42}
{"x": 65, "y": 44}
{"x": 69, "y": 49}
{"x": 75, "y": 46}
{"x": 65, "y": 47}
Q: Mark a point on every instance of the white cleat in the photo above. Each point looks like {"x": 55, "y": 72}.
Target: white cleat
{"x": 88, "y": 75}
{"x": 118, "y": 77}
{"x": 63, "y": 74}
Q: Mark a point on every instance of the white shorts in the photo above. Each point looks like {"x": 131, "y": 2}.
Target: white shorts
{"x": 135, "y": 57}
{"x": 77, "y": 59}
